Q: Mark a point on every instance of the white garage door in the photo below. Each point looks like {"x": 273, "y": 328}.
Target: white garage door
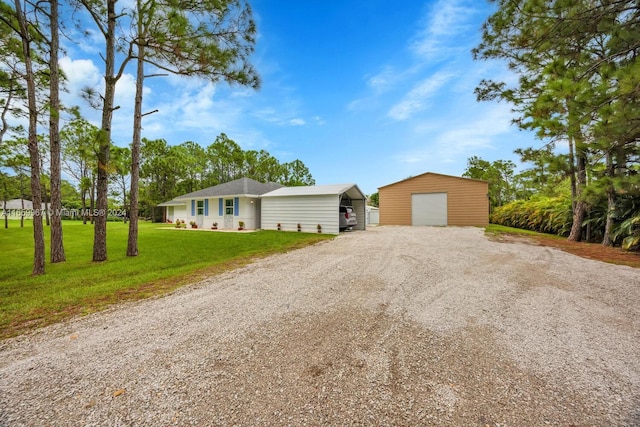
{"x": 429, "y": 209}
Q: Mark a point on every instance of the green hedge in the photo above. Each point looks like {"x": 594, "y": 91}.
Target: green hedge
{"x": 544, "y": 214}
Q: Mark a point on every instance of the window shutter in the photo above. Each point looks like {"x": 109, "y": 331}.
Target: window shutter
{"x": 236, "y": 206}
{"x": 206, "y": 207}
{"x": 220, "y": 207}
{"x": 193, "y": 208}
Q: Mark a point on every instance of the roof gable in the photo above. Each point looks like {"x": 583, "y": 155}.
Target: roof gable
{"x": 432, "y": 173}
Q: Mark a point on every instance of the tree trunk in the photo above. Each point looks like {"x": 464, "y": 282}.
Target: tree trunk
{"x": 34, "y": 155}
{"x": 104, "y": 140}
{"x": 22, "y": 202}
{"x": 132, "y": 241}
{"x": 611, "y": 203}
{"x": 6, "y": 217}
{"x": 57, "y": 246}
{"x": 100, "y": 214}
{"x": 83, "y": 201}
{"x": 125, "y": 207}
{"x": 580, "y": 209}
{"x": 587, "y": 231}
{"x": 572, "y": 172}
{"x": 46, "y": 205}
{"x": 608, "y": 226}
{"x": 579, "y": 170}
{"x": 579, "y": 213}
{"x": 92, "y": 199}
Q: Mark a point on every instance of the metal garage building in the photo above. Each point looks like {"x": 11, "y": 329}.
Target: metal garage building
{"x": 435, "y": 199}
{"x": 310, "y": 206}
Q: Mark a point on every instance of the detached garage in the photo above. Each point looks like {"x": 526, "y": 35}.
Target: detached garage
{"x": 310, "y": 206}
{"x": 435, "y": 199}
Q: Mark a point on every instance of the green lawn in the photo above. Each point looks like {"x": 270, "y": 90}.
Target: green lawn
{"x": 168, "y": 259}
{"x": 501, "y": 229}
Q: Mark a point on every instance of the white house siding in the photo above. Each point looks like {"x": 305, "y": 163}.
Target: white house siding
{"x": 246, "y": 212}
{"x": 213, "y": 214}
{"x": 179, "y": 212}
{"x": 308, "y": 211}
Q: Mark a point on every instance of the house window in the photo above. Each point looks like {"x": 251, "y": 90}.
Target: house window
{"x": 228, "y": 206}
{"x": 200, "y": 207}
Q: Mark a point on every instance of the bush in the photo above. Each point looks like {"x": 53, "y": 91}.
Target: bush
{"x": 545, "y": 215}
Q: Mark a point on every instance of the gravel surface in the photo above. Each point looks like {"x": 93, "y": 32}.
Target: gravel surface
{"x": 389, "y": 326}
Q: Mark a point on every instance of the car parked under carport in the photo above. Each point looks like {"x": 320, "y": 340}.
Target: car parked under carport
{"x": 311, "y": 206}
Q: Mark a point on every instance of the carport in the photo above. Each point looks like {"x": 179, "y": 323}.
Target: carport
{"x": 311, "y": 206}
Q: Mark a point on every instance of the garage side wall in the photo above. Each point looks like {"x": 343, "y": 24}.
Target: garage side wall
{"x": 308, "y": 211}
{"x": 467, "y": 201}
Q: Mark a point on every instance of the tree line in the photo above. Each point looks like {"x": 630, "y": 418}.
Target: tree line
{"x": 578, "y": 88}
{"x": 208, "y": 39}
{"x": 170, "y": 171}
{"x": 166, "y": 171}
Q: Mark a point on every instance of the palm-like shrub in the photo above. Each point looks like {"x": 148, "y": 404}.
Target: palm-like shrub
{"x": 626, "y": 232}
{"x": 542, "y": 214}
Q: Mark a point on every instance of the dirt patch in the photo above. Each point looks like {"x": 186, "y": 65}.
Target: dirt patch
{"x": 582, "y": 249}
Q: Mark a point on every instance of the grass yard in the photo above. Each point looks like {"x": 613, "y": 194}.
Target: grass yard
{"x": 168, "y": 259}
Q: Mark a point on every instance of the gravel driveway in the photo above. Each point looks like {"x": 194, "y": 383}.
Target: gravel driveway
{"x": 389, "y": 326}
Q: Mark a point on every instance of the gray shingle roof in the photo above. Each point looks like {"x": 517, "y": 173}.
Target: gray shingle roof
{"x": 239, "y": 187}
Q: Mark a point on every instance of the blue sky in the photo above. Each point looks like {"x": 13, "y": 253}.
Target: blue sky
{"x": 363, "y": 91}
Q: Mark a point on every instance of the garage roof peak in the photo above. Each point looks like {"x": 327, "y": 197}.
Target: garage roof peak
{"x": 432, "y": 173}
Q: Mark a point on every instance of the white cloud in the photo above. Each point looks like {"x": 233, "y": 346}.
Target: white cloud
{"x": 80, "y": 73}
{"x": 251, "y": 139}
{"x": 180, "y": 112}
{"x": 280, "y": 118}
{"x": 271, "y": 115}
{"x": 178, "y": 82}
{"x": 416, "y": 100}
{"x": 384, "y": 79}
{"x": 199, "y": 110}
{"x": 84, "y": 73}
{"x": 445, "y": 24}
{"x": 461, "y": 138}
{"x": 126, "y": 92}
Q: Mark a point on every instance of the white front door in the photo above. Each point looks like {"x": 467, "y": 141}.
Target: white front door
{"x": 228, "y": 213}
{"x": 200, "y": 213}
